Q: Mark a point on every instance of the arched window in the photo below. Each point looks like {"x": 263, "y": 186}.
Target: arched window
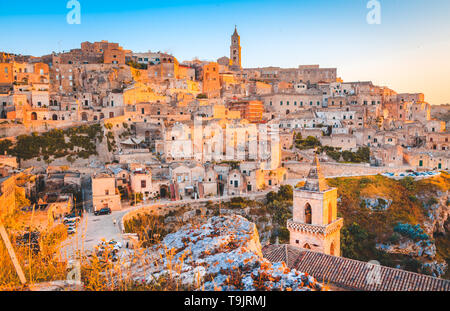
{"x": 84, "y": 116}
{"x": 55, "y": 117}
{"x": 34, "y": 116}
{"x": 308, "y": 214}
{"x": 330, "y": 213}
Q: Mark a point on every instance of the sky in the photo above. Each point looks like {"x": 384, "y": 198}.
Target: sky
{"x": 409, "y": 51}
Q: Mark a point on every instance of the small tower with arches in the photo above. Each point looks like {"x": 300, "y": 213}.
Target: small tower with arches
{"x": 235, "y": 51}
{"x": 315, "y": 224}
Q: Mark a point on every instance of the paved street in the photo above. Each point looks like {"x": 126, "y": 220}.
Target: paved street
{"x": 92, "y": 229}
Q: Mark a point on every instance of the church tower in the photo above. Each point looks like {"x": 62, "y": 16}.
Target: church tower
{"x": 315, "y": 225}
{"x": 235, "y": 51}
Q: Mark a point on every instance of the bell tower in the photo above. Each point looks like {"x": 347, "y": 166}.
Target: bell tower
{"x": 235, "y": 51}
{"x": 315, "y": 225}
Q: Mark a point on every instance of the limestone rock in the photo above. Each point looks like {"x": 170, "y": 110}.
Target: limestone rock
{"x": 224, "y": 254}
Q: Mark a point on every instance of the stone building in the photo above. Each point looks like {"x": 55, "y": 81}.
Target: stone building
{"x": 251, "y": 110}
{"x": 105, "y": 193}
{"x": 315, "y": 225}
{"x": 211, "y": 80}
{"x": 141, "y": 182}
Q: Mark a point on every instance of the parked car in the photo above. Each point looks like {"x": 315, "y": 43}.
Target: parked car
{"x": 69, "y": 222}
{"x": 72, "y": 218}
{"x": 103, "y": 211}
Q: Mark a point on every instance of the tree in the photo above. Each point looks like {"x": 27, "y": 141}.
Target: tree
{"x": 5, "y": 146}
{"x": 353, "y": 241}
{"x": 286, "y": 192}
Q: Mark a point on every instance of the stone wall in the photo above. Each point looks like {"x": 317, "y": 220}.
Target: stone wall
{"x": 14, "y": 130}
{"x": 301, "y": 169}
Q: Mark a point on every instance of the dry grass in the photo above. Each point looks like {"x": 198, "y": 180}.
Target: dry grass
{"x": 38, "y": 266}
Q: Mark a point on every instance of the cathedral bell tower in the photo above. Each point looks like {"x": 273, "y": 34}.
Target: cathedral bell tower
{"x": 315, "y": 225}
{"x": 235, "y": 51}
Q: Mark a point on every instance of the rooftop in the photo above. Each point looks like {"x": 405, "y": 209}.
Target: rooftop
{"x": 352, "y": 274}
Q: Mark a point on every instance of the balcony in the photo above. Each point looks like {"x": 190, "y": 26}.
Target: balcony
{"x": 316, "y": 229}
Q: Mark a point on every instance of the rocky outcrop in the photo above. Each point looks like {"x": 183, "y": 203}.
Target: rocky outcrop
{"x": 376, "y": 204}
{"x": 421, "y": 245}
{"x": 223, "y": 254}
{"x": 438, "y": 213}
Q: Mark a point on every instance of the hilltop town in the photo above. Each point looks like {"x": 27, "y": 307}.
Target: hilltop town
{"x": 102, "y": 130}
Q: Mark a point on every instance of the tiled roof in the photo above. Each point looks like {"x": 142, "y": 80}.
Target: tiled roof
{"x": 351, "y": 274}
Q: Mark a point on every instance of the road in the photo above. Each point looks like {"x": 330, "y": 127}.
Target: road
{"x": 93, "y": 229}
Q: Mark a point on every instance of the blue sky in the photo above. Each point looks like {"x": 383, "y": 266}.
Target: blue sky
{"x": 408, "y": 51}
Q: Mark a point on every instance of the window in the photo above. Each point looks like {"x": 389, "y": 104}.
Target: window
{"x": 308, "y": 214}
{"x": 143, "y": 184}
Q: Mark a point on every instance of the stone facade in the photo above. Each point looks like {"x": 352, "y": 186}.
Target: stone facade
{"x": 315, "y": 224}
{"x": 104, "y": 193}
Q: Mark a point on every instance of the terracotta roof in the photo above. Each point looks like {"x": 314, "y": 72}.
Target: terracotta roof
{"x": 351, "y": 274}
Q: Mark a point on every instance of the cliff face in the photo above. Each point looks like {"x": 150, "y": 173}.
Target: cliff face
{"x": 224, "y": 254}
{"x": 424, "y": 249}
{"x": 438, "y": 214}
{"x": 406, "y": 219}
